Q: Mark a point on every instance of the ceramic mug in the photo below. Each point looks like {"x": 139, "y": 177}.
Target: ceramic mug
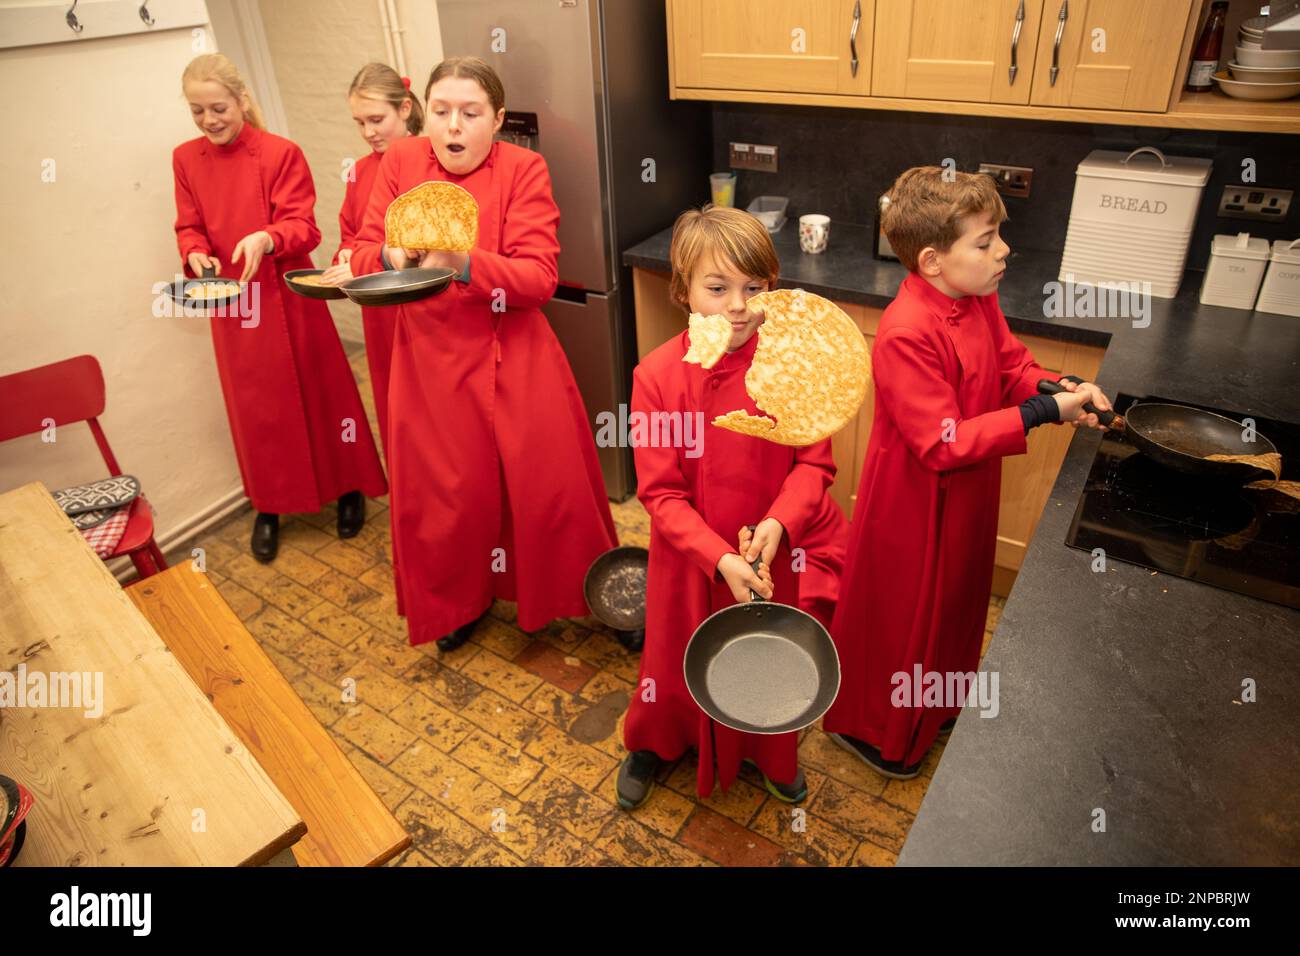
{"x": 814, "y": 233}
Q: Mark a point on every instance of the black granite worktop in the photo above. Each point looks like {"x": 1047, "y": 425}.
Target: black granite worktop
{"x": 1119, "y": 691}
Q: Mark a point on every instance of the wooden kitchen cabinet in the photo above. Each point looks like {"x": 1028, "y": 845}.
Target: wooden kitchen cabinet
{"x": 955, "y": 49}
{"x": 792, "y": 46}
{"x": 953, "y": 57}
{"x": 1027, "y": 479}
{"x": 1111, "y": 54}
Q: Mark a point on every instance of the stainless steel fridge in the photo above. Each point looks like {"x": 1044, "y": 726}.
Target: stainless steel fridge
{"x": 587, "y": 86}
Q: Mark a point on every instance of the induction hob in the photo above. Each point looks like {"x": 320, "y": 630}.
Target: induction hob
{"x": 1240, "y": 539}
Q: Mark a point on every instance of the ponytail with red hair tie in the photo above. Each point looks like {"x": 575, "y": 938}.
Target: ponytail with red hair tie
{"x": 406, "y": 82}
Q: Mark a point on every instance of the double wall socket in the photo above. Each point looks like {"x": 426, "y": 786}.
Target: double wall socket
{"x": 1250, "y": 202}
{"x": 1010, "y": 180}
{"x": 753, "y": 156}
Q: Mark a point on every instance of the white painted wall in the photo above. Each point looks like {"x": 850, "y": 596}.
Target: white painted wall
{"x": 317, "y": 46}
{"x": 79, "y": 257}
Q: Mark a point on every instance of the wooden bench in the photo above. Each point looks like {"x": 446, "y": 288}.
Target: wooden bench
{"x": 347, "y": 823}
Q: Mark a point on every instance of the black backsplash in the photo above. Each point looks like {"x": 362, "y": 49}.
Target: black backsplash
{"x": 838, "y": 161}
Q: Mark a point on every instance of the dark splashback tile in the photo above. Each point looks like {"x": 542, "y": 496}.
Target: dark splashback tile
{"x": 837, "y": 161}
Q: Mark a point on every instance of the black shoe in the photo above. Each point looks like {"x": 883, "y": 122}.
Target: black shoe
{"x": 946, "y": 727}
{"x": 794, "y": 792}
{"x": 459, "y": 636}
{"x": 352, "y": 514}
{"x": 632, "y": 641}
{"x": 266, "y": 537}
{"x": 893, "y": 769}
{"x": 636, "y": 778}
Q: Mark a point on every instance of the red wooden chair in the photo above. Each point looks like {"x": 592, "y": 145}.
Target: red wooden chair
{"x": 67, "y": 392}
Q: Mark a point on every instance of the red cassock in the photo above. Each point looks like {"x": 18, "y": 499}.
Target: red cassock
{"x": 948, "y": 376}
{"x": 496, "y": 488}
{"x": 299, "y": 428}
{"x": 378, "y": 321}
{"x": 697, "y": 506}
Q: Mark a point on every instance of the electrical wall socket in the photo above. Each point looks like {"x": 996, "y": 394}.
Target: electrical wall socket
{"x": 1010, "y": 180}
{"x": 1253, "y": 202}
{"x": 752, "y": 156}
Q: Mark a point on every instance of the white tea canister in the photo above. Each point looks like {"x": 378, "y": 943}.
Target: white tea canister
{"x": 1236, "y": 266}
{"x": 1281, "y": 290}
{"x": 814, "y": 233}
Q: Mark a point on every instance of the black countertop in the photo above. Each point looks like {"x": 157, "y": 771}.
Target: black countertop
{"x": 1119, "y": 691}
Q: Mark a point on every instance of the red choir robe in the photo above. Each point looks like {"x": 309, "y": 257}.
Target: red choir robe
{"x": 920, "y": 565}
{"x": 697, "y": 506}
{"x": 378, "y": 321}
{"x": 289, "y": 392}
{"x": 496, "y": 488}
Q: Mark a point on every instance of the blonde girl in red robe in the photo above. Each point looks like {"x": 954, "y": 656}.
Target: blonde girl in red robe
{"x": 701, "y": 502}
{"x": 384, "y": 109}
{"x": 496, "y": 488}
{"x": 244, "y": 206}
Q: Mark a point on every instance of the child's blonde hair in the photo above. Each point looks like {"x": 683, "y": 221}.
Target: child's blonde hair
{"x": 927, "y": 205}
{"x": 731, "y": 235}
{"x": 379, "y": 81}
{"x": 218, "y": 68}
{"x": 473, "y": 68}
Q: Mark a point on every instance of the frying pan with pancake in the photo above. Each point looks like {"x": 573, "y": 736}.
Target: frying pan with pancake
{"x": 397, "y": 286}
{"x": 179, "y": 293}
{"x": 299, "y": 281}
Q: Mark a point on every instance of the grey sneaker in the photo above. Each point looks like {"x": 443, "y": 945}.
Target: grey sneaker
{"x": 636, "y": 778}
{"x": 893, "y": 769}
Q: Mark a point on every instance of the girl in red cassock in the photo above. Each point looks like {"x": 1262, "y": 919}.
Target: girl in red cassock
{"x": 496, "y": 489}
{"x": 244, "y": 201}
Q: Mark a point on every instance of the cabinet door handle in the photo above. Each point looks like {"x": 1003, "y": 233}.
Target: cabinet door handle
{"x": 1015, "y": 40}
{"x": 1056, "y": 46}
{"x": 853, "y": 38}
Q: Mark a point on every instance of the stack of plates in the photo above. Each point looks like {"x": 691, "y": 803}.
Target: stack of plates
{"x": 1259, "y": 74}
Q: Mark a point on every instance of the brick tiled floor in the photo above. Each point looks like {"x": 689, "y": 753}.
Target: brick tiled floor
{"x": 505, "y": 751}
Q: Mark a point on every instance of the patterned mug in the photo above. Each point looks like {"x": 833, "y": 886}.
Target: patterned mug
{"x": 814, "y": 233}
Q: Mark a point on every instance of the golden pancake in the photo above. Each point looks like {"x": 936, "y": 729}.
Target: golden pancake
{"x": 810, "y": 371}
{"x": 211, "y": 290}
{"x": 433, "y": 215}
{"x": 710, "y": 336}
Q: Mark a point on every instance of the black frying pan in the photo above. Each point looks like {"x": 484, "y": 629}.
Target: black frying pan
{"x": 762, "y": 667}
{"x": 615, "y": 587}
{"x": 1180, "y": 437}
{"x": 177, "y": 291}
{"x": 293, "y": 278}
{"x": 397, "y": 286}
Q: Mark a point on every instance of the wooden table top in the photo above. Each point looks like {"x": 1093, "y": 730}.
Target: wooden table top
{"x": 146, "y": 773}
{"x": 347, "y": 823}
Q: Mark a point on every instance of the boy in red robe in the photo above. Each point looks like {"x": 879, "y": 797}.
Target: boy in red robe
{"x": 702, "y": 493}
{"x": 955, "y": 392}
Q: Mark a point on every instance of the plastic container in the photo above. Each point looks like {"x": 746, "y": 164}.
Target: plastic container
{"x": 1131, "y": 219}
{"x": 1280, "y": 292}
{"x": 769, "y": 210}
{"x": 1236, "y": 266}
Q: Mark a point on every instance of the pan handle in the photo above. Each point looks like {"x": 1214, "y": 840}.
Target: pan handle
{"x": 754, "y": 595}
{"x": 1048, "y": 387}
{"x": 208, "y": 273}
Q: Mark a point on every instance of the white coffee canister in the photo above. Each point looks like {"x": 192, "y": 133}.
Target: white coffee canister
{"x": 1281, "y": 290}
{"x": 1236, "y": 266}
{"x": 1131, "y": 219}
